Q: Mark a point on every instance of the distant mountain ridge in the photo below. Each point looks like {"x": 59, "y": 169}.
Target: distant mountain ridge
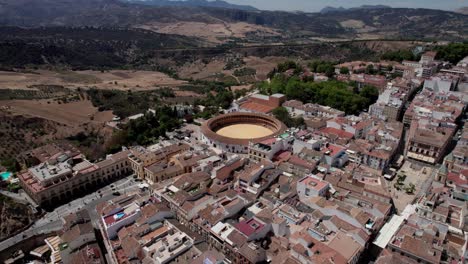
{"x": 329, "y": 9}
{"x": 192, "y": 3}
{"x": 463, "y": 10}
{"x": 377, "y": 22}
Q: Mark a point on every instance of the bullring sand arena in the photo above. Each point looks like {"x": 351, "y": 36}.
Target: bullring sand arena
{"x": 244, "y": 131}
{"x": 233, "y": 132}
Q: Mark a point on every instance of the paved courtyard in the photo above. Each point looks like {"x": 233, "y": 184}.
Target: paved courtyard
{"x": 419, "y": 174}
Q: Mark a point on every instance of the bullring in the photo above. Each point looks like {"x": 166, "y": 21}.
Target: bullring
{"x": 234, "y": 131}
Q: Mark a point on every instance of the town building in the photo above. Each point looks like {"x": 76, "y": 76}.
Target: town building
{"x": 297, "y": 108}
{"x": 391, "y": 101}
{"x": 310, "y": 186}
{"x": 258, "y": 103}
{"x": 78, "y": 240}
{"x": 442, "y": 83}
{"x": 428, "y": 144}
{"x": 418, "y": 241}
{"x": 141, "y": 158}
{"x": 65, "y": 174}
{"x": 268, "y": 148}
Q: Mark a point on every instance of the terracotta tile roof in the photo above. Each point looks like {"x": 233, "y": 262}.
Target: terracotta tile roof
{"x": 90, "y": 254}
{"x": 256, "y": 107}
{"x": 253, "y": 253}
{"x": 237, "y": 238}
{"x": 76, "y": 231}
{"x": 421, "y": 249}
{"x": 131, "y": 247}
{"x": 336, "y": 132}
{"x": 296, "y": 160}
{"x": 458, "y": 178}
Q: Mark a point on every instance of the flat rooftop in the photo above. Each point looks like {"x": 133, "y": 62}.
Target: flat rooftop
{"x": 313, "y": 183}
{"x": 47, "y": 171}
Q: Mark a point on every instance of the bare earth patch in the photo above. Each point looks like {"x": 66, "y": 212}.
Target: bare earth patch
{"x": 116, "y": 79}
{"x": 73, "y": 114}
{"x": 215, "y": 33}
{"x": 199, "y": 70}
{"x": 263, "y": 65}
{"x": 240, "y": 87}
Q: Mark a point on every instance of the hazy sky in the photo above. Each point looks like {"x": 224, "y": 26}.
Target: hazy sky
{"x": 317, "y": 5}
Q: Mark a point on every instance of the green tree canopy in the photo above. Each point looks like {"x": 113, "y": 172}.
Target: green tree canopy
{"x": 454, "y": 52}
{"x": 344, "y": 70}
{"x": 335, "y": 94}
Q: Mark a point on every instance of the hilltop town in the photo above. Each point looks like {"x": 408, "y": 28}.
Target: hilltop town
{"x": 322, "y": 163}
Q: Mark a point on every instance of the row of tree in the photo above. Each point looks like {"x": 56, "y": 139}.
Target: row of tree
{"x": 336, "y": 94}
{"x": 147, "y": 129}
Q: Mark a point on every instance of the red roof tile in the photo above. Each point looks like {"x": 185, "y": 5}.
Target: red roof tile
{"x": 256, "y": 107}
{"x": 337, "y": 132}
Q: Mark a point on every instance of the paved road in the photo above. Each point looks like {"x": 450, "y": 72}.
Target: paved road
{"x": 52, "y": 221}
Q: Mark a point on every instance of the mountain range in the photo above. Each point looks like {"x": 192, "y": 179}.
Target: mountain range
{"x": 192, "y": 3}
{"x": 329, "y": 9}
{"x": 463, "y": 10}
{"x": 220, "y": 25}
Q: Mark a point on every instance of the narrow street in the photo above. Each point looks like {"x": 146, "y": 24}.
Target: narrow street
{"x": 52, "y": 221}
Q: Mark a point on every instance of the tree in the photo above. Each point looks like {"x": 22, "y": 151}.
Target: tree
{"x": 399, "y": 55}
{"x": 282, "y": 114}
{"x": 11, "y": 164}
{"x": 453, "y": 52}
{"x": 370, "y": 92}
{"x": 370, "y": 69}
{"x": 287, "y": 65}
{"x": 344, "y": 70}
{"x": 322, "y": 67}
{"x": 410, "y": 189}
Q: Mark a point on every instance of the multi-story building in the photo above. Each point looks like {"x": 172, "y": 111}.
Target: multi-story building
{"x": 378, "y": 81}
{"x": 357, "y": 126}
{"x": 187, "y": 195}
{"x": 419, "y": 241}
{"x": 379, "y": 148}
{"x": 162, "y": 171}
{"x": 310, "y": 186}
{"x": 257, "y": 177}
{"x": 440, "y": 107}
{"x": 297, "y": 108}
{"x": 78, "y": 241}
{"x": 135, "y": 230}
{"x": 62, "y": 176}
{"x": 428, "y": 57}
{"x": 428, "y": 144}
{"x": 442, "y": 83}
{"x": 389, "y": 105}
{"x": 267, "y": 149}
{"x": 294, "y": 164}
{"x": 141, "y": 157}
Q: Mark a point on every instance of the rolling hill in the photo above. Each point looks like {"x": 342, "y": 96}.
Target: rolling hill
{"x": 239, "y": 25}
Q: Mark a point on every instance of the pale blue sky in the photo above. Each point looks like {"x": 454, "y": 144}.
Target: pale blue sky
{"x": 317, "y": 5}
